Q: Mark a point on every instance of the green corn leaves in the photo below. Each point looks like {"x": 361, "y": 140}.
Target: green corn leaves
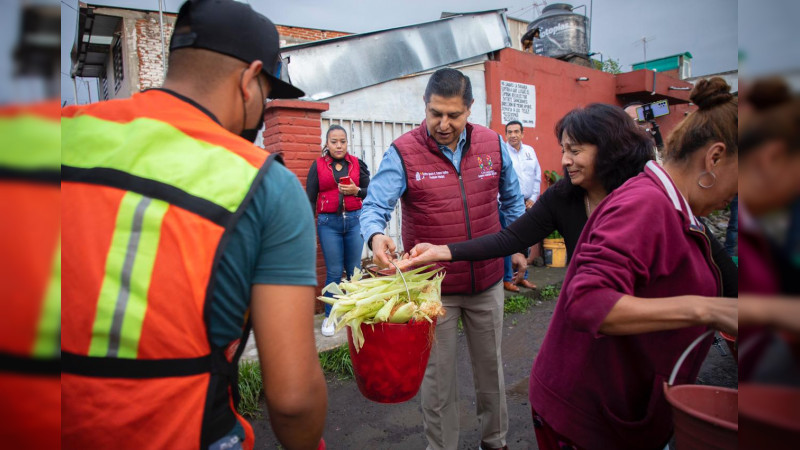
{"x": 369, "y": 299}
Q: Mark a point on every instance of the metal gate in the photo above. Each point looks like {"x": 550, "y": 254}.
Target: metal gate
{"x": 368, "y": 140}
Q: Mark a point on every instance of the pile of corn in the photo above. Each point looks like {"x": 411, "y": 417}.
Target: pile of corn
{"x": 372, "y": 299}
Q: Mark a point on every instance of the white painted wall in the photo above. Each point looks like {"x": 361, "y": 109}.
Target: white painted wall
{"x": 400, "y": 100}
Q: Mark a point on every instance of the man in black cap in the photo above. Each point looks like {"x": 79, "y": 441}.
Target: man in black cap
{"x": 178, "y": 235}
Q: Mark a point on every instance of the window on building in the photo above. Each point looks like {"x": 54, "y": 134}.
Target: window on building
{"x": 117, "y": 57}
{"x": 104, "y": 86}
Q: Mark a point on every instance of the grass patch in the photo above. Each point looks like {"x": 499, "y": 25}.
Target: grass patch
{"x": 251, "y": 389}
{"x": 550, "y": 292}
{"x": 517, "y": 304}
{"x": 337, "y": 362}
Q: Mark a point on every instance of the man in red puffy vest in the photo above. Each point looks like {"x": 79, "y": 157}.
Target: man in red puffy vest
{"x": 448, "y": 174}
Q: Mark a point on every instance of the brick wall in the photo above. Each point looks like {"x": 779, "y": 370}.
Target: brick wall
{"x": 148, "y": 49}
{"x": 308, "y": 34}
{"x": 293, "y": 129}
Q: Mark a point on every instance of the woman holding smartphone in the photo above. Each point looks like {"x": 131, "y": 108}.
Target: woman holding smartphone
{"x": 336, "y": 185}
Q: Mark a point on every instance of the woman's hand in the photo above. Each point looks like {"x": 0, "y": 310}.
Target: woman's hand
{"x": 426, "y": 253}
{"x": 723, "y": 314}
{"x": 348, "y": 189}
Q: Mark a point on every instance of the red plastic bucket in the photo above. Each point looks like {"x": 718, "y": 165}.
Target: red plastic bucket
{"x": 390, "y": 366}
{"x": 770, "y": 416}
{"x": 706, "y": 417}
{"x": 732, "y": 344}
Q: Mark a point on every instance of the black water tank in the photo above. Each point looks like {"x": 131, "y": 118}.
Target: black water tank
{"x": 562, "y": 34}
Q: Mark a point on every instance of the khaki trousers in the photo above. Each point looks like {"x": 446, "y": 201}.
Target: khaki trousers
{"x": 482, "y": 316}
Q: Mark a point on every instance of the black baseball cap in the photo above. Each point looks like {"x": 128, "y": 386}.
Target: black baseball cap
{"x": 236, "y": 30}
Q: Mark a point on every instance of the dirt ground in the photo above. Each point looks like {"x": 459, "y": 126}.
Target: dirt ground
{"x": 353, "y": 422}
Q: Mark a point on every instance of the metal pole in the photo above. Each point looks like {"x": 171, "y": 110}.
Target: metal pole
{"x": 75, "y": 89}
{"x": 88, "y": 90}
{"x": 644, "y": 46}
{"x": 591, "y": 13}
{"x": 163, "y": 48}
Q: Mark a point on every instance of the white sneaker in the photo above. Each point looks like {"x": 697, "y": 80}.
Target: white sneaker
{"x": 328, "y": 328}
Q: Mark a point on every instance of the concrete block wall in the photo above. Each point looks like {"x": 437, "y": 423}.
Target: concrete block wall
{"x": 293, "y": 130}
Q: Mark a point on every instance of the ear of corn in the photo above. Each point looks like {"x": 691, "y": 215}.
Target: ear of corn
{"x": 403, "y": 313}
{"x": 370, "y": 299}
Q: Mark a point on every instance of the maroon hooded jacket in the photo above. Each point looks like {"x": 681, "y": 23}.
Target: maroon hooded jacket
{"x": 607, "y": 391}
{"x": 441, "y": 206}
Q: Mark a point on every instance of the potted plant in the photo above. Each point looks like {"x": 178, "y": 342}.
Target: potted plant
{"x": 552, "y": 177}
{"x": 555, "y": 251}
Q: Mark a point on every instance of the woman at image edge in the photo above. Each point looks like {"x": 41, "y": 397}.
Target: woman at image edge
{"x": 641, "y": 287}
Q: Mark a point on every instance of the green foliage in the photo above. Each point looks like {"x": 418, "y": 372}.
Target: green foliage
{"x": 337, "y": 362}
{"x": 552, "y": 177}
{"x": 555, "y": 235}
{"x": 550, "y": 292}
{"x": 517, "y": 304}
{"x": 609, "y": 65}
{"x": 251, "y": 388}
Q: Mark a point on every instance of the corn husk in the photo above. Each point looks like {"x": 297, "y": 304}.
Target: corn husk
{"x": 370, "y": 299}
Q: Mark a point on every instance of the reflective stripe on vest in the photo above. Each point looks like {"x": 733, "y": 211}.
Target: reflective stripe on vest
{"x": 123, "y": 296}
{"x": 48, "y": 330}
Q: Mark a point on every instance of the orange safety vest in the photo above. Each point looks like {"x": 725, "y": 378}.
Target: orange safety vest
{"x": 152, "y": 188}
{"x": 30, "y": 269}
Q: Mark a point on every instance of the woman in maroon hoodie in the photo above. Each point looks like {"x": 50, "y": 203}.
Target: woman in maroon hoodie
{"x": 641, "y": 287}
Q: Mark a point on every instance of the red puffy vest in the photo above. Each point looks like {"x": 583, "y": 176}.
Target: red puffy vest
{"x": 328, "y": 197}
{"x": 440, "y": 206}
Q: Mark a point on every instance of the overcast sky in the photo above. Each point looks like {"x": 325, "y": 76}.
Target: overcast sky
{"x": 705, "y": 28}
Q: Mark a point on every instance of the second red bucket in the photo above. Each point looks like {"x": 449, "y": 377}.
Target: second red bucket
{"x": 390, "y": 366}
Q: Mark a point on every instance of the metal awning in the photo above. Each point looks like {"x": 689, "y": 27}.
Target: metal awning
{"x": 335, "y": 66}
{"x": 93, "y": 41}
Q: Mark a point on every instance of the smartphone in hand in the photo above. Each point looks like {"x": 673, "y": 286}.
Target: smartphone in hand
{"x": 345, "y": 180}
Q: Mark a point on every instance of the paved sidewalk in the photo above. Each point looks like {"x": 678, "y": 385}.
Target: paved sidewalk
{"x": 540, "y": 276}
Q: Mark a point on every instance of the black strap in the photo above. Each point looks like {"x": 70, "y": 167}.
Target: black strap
{"x": 136, "y": 368}
{"x": 29, "y": 366}
{"x": 237, "y": 397}
{"x": 43, "y": 176}
{"x": 151, "y": 188}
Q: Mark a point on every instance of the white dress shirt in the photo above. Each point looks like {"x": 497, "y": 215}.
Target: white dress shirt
{"x": 529, "y": 173}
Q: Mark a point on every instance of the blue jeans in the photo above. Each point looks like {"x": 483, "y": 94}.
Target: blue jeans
{"x": 508, "y": 271}
{"x": 341, "y": 242}
{"x": 732, "y": 233}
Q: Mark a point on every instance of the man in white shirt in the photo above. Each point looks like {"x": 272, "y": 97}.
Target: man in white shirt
{"x": 529, "y": 173}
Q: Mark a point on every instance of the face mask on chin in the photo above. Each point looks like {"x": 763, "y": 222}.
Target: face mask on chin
{"x": 252, "y": 133}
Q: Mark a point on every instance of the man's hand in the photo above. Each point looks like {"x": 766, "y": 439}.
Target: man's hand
{"x": 348, "y": 189}
{"x": 528, "y": 204}
{"x": 382, "y": 247}
{"x": 519, "y": 263}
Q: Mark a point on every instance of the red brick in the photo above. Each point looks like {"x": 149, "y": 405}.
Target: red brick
{"x": 299, "y": 139}
{"x": 291, "y": 147}
{"x": 297, "y": 104}
{"x": 314, "y": 123}
{"x": 298, "y": 130}
{"x": 284, "y": 112}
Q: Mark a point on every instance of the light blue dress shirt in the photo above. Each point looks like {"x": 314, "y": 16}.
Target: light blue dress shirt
{"x": 389, "y": 184}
